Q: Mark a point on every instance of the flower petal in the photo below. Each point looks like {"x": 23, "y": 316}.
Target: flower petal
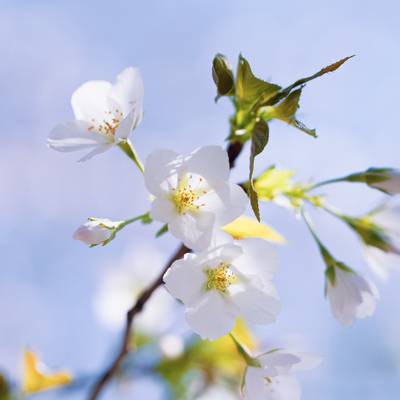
{"x": 185, "y": 280}
{"x": 75, "y": 135}
{"x": 278, "y": 362}
{"x": 162, "y": 210}
{"x": 128, "y": 92}
{"x": 227, "y": 200}
{"x": 90, "y": 101}
{"x": 258, "y": 259}
{"x": 283, "y": 387}
{"x": 210, "y": 162}
{"x": 94, "y": 152}
{"x": 307, "y": 361}
{"x": 161, "y": 171}
{"x": 196, "y": 231}
{"x": 255, "y": 385}
{"x": 211, "y": 318}
{"x": 351, "y": 297}
{"x": 255, "y": 305}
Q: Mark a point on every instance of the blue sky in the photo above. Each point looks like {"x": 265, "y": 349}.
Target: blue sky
{"x": 50, "y": 47}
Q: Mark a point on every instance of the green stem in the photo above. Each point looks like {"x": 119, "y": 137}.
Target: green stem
{"x": 127, "y": 147}
{"x": 308, "y": 223}
{"x": 327, "y": 182}
{"x": 131, "y": 220}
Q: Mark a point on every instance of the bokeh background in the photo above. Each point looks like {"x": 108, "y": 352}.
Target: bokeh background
{"x": 51, "y": 285}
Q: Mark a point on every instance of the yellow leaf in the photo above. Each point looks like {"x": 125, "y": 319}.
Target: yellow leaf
{"x": 36, "y": 377}
{"x": 273, "y": 182}
{"x": 245, "y": 227}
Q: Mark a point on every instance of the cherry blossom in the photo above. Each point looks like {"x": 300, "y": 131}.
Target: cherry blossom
{"x": 105, "y": 115}
{"x": 193, "y": 194}
{"x": 225, "y": 282}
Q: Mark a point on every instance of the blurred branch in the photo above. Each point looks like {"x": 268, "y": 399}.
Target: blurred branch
{"x": 234, "y": 149}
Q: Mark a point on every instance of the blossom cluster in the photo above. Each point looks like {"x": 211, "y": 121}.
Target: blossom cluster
{"x": 228, "y": 270}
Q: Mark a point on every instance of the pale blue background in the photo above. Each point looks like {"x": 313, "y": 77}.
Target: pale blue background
{"x": 48, "y": 48}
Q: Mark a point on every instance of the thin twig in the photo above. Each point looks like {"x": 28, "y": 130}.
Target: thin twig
{"x": 234, "y": 149}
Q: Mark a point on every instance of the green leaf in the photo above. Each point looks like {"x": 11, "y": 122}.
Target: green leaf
{"x": 223, "y": 76}
{"x": 250, "y": 89}
{"x": 162, "y": 230}
{"x": 259, "y": 139}
{"x": 286, "y": 111}
{"x": 300, "y": 82}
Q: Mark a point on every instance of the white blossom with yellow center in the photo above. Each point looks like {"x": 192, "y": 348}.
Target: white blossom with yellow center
{"x": 226, "y": 282}
{"x": 272, "y": 380}
{"x": 105, "y": 115}
{"x": 193, "y": 194}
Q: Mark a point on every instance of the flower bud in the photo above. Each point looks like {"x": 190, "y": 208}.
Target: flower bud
{"x": 222, "y": 75}
{"x": 96, "y": 231}
{"x": 350, "y": 295}
{"x": 384, "y": 179}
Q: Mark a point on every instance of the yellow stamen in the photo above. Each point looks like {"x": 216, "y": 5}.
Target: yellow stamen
{"x": 220, "y": 278}
{"x": 107, "y": 127}
{"x": 185, "y": 197}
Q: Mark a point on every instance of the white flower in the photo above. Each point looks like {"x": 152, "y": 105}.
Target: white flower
{"x": 350, "y": 296}
{"x": 271, "y": 381}
{"x": 96, "y": 231}
{"x": 105, "y": 115}
{"x": 192, "y": 194}
{"x": 381, "y": 262}
{"x": 229, "y": 281}
{"x": 121, "y": 285}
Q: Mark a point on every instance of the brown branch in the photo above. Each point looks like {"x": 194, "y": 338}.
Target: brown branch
{"x": 233, "y": 150}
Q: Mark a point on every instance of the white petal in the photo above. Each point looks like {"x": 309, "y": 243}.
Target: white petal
{"x": 388, "y": 218}
{"x": 210, "y": 162}
{"x": 278, "y": 362}
{"x": 259, "y": 259}
{"x": 255, "y": 385}
{"x": 94, "y": 152}
{"x": 92, "y": 234}
{"x": 161, "y": 171}
{"x": 75, "y": 135}
{"x": 380, "y": 262}
{"x": 162, "y": 210}
{"x": 126, "y": 126}
{"x": 351, "y": 297}
{"x": 90, "y": 101}
{"x": 128, "y": 92}
{"x": 195, "y": 231}
{"x": 390, "y": 185}
{"x": 185, "y": 280}
{"x": 283, "y": 387}
{"x": 369, "y": 295}
{"x": 255, "y": 306}
{"x": 211, "y": 318}
{"x": 228, "y": 201}
{"x": 307, "y": 361}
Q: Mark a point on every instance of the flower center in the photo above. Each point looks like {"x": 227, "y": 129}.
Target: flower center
{"x": 184, "y": 197}
{"x": 109, "y": 125}
{"x": 220, "y": 278}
